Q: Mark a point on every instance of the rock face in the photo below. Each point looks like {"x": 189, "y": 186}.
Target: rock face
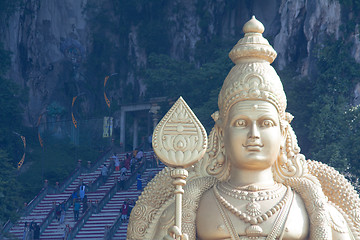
{"x": 46, "y": 38}
{"x": 52, "y": 41}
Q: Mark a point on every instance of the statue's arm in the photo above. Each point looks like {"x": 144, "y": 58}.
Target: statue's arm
{"x": 165, "y": 222}
{"x": 339, "y": 226}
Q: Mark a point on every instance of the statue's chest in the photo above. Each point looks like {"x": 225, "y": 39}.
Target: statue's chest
{"x": 215, "y": 223}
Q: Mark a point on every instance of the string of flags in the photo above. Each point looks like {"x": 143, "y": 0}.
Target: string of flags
{"x": 106, "y": 98}
{"x": 72, "y": 112}
{"x": 108, "y": 123}
{"x": 23, "y": 139}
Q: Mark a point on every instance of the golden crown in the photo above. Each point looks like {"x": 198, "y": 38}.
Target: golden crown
{"x": 252, "y": 77}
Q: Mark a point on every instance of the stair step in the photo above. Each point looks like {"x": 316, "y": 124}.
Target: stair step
{"x": 94, "y": 228}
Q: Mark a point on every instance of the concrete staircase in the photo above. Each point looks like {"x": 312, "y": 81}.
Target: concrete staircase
{"x": 42, "y": 210}
{"x": 94, "y": 226}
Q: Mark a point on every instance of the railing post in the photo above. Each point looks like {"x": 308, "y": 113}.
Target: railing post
{"x": 57, "y": 187}
{"x": 79, "y": 163}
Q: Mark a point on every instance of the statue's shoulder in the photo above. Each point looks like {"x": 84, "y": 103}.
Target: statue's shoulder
{"x": 153, "y": 213}
{"x": 156, "y": 197}
{"x": 343, "y": 201}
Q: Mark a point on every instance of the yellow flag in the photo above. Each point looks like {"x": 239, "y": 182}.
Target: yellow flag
{"x": 39, "y": 119}
{"x": 73, "y": 101}
{"x": 106, "y": 98}
{"x": 40, "y": 140}
{"x": 105, "y": 81}
{"x": 24, "y": 141}
{"x": 21, "y": 161}
{"x": 73, "y": 119}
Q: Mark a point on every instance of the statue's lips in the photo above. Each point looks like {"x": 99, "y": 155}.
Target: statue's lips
{"x": 253, "y": 147}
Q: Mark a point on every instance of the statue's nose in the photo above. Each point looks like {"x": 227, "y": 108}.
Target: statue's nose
{"x": 254, "y": 131}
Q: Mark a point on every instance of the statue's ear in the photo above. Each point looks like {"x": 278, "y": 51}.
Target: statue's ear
{"x": 217, "y": 119}
{"x": 214, "y": 162}
{"x": 294, "y": 164}
{"x": 284, "y": 126}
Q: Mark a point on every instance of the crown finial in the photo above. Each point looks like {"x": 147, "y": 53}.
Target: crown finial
{"x": 253, "y": 26}
{"x": 253, "y": 46}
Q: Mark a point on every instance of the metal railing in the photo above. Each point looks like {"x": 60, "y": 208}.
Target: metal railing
{"x": 99, "y": 206}
{"x": 45, "y": 190}
{"x": 81, "y": 222}
{"x": 114, "y": 227}
{"x": 51, "y": 215}
{"x": 27, "y": 210}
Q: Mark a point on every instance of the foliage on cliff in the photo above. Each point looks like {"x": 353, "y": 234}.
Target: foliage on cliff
{"x": 334, "y": 124}
{"x": 10, "y": 142}
{"x": 199, "y": 86}
{"x": 325, "y": 121}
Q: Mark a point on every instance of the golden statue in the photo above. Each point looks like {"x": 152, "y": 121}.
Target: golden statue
{"x": 252, "y": 182}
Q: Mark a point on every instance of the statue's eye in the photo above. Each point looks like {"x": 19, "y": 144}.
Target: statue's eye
{"x": 268, "y": 123}
{"x": 240, "y": 123}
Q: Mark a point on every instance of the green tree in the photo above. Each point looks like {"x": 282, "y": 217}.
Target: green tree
{"x": 199, "y": 86}
{"x": 9, "y": 188}
{"x": 334, "y": 123}
{"x": 11, "y": 148}
{"x": 10, "y": 116}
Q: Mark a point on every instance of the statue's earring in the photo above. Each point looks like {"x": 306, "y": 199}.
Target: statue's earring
{"x": 289, "y": 147}
{"x": 282, "y": 158}
{"x": 221, "y": 157}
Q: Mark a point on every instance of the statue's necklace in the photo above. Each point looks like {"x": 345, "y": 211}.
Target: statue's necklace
{"x": 252, "y": 208}
{"x": 253, "y": 229}
{"x": 251, "y": 195}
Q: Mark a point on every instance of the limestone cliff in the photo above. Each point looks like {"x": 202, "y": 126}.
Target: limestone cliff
{"x": 58, "y": 47}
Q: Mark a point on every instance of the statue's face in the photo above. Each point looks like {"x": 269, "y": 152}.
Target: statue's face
{"x": 252, "y": 135}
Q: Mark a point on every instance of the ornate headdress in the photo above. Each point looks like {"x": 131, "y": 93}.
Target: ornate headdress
{"x": 252, "y": 77}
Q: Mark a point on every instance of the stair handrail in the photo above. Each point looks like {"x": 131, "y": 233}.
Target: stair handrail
{"x": 80, "y": 170}
{"x": 114, "y": 227}
{"x": 108, "y": 195}
{"x": 45, "y": 190}
{"x": 95, "y": 165}
{"x": 6, "y": 227}
{"x": 133, "y": 175}
{"x": 95, "y": 184}
{"x": 80, "y": 223}
{"x": 104, "y": 200}
{"x": 74, "y": 175}
{"x": 27, "y": 210}
{"x": 51, "y": 215}
{"x": 97, "y": 208}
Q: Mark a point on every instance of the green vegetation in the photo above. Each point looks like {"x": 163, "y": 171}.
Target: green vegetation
{"x": 333, "y": 127}
{"x": 199, "y": 86}
{"x": 325, "y": 121}
{"x": 10, "y": 142}
{"x": 7, "y": 7}
{"x": 9, "y": 188}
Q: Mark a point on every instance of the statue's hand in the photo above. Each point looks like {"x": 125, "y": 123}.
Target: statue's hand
{"x": 174, "y": 233}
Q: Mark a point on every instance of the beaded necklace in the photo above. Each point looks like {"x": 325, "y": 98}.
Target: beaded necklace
{"x": 253, "y": 214}
{"x": 259, "y": 195}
